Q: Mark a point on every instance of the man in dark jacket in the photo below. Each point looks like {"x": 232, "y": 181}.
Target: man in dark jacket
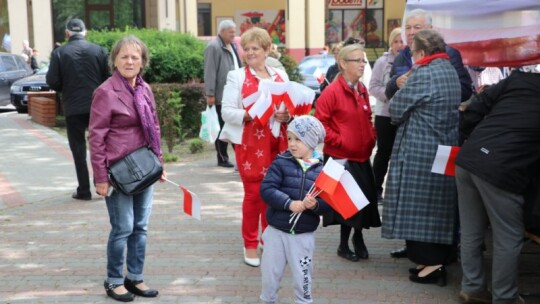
{"x": 220, "y": 57}
{"x": 76, "y": 70}
{"x": 494, "y": 168}
{"x": 416, "y": 21}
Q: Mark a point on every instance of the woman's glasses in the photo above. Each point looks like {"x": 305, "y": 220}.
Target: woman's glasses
{"x": 359, "y": 60}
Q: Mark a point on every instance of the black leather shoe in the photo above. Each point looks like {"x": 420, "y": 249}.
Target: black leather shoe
{"x": 125, "y": 297}
{"x": 348, "y": 254}
{"x": 360, "y": 250}
{"x": 436, "y": 277}
{"x": 399, "y": 253}
{"x": 77, "y": 196}
{"x": 132, "y": 287}
{"x": 225, "y": 164}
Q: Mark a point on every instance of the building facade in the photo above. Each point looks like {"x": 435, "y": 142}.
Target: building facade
{"x": 301, "y": 27}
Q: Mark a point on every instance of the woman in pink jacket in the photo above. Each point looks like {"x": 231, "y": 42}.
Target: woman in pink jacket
{"x": 122, "y": 119}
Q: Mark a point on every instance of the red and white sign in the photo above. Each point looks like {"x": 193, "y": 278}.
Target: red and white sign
{"x": 487, "y": 33}
{"x": 356, "y": 4}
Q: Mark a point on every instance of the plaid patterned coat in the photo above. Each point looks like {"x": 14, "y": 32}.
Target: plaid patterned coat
{"x": 420, "y": 205}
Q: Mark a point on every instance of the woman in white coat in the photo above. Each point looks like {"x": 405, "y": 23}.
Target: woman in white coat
{"x": 255, "y": 145}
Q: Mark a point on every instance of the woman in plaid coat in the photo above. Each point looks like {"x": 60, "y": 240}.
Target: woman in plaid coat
{"x": 420, "y": 206}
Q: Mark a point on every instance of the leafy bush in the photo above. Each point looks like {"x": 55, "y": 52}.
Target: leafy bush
{"x": 196, "y": 145}
{"x": 169, "y": 158}
{"x": 174, "y": 57}
{"x": 169, "y": 112}
{"x": 192, "y": 104}
{"x": 292, "y": 68}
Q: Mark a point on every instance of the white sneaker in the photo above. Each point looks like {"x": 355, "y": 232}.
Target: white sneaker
{"x": 253, "y": 262}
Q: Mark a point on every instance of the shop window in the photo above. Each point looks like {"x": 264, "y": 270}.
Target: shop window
{"x": 355, "y": 18}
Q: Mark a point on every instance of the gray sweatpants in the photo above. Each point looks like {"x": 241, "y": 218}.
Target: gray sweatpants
{"x": 480, "y": 201}
{"x": 280, "y": 249}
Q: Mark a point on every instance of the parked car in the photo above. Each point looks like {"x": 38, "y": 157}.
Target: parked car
{"x": 309, "y": 64}
{"x": 33, "y": 83}
{"x": 12, "y": 68}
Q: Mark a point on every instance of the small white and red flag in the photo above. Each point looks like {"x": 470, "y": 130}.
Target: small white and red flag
{"x": 273, "y": 96}
{"x": 192, "y": 203}
{"x": 319, "y": 75}
{"x": 444, "y": 162}
{"x": 339, "y": 189}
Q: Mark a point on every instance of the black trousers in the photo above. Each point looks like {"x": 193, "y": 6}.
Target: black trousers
{"x": 76, "y": 126}
{"x": 386, "y": 133}
{"x": 221, "y": 146}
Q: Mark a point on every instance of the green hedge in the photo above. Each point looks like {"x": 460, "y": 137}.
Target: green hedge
{"x": 174, "y": 57}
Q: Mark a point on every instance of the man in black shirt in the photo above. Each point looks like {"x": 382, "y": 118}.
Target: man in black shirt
{"x": 77, "y": 69}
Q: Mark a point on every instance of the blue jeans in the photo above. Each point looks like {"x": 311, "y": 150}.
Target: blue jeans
{"x": 129, "y": 220}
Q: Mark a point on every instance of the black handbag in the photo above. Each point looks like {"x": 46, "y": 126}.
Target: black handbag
{"x": 137, "y": 171}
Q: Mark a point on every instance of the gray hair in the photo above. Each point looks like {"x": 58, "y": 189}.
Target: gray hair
{"x": 420, "y": 13}
{"x": 132, "y": 40}
{"x": 225, "y": 24}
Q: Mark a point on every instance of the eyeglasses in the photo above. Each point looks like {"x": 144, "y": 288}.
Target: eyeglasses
{"x": 359, "y": 60}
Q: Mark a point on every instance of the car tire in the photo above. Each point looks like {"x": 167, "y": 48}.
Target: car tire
{"x": 22, "y": 110}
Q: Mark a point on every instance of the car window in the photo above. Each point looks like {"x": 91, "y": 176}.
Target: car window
{"x": 20, "y": 61}
{"x": 9, "y": 63}
{"x": 43, "y": 70}
{"x": 309, "y": 64}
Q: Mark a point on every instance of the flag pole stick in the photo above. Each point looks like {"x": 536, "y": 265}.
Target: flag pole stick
{"x": 169, "y": 181}
{"x": 295, "y": 221}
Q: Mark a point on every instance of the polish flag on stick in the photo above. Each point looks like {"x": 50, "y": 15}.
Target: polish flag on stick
{"x": 340, "y": 190}
{"x": 319, "y": 75}
{"x": 192, "y": 203}
{"x": 444, "y": 162}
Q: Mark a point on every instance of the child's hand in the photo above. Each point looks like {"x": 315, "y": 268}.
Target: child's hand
{"x": 297, "y": 206}
{"x": 310, "y": 202}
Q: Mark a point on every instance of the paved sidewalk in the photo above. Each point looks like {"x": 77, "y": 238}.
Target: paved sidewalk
{"x": 52, "y": 248}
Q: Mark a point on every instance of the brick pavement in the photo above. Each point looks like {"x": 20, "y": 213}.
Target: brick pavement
{"x": 52, "y": 248}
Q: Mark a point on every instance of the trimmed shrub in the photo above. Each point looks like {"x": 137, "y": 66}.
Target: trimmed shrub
{"x": 174, "y": 57}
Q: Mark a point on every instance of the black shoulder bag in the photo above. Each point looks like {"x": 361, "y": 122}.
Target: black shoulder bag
{"x": 137, "y": 171}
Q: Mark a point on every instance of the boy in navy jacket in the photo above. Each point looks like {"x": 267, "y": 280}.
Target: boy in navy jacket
{"x": 292, "y": 214}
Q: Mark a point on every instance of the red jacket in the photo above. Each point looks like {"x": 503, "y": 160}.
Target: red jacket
{"x": 115, "y": 129}
{"x": 346, "y": 116}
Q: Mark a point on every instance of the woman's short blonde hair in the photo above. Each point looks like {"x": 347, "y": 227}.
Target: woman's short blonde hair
{"x": 131, "y": 40}
{"x": 393, "y": 34}
{"x": 257, "y": 35}
{"x": 346, "y": 51}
